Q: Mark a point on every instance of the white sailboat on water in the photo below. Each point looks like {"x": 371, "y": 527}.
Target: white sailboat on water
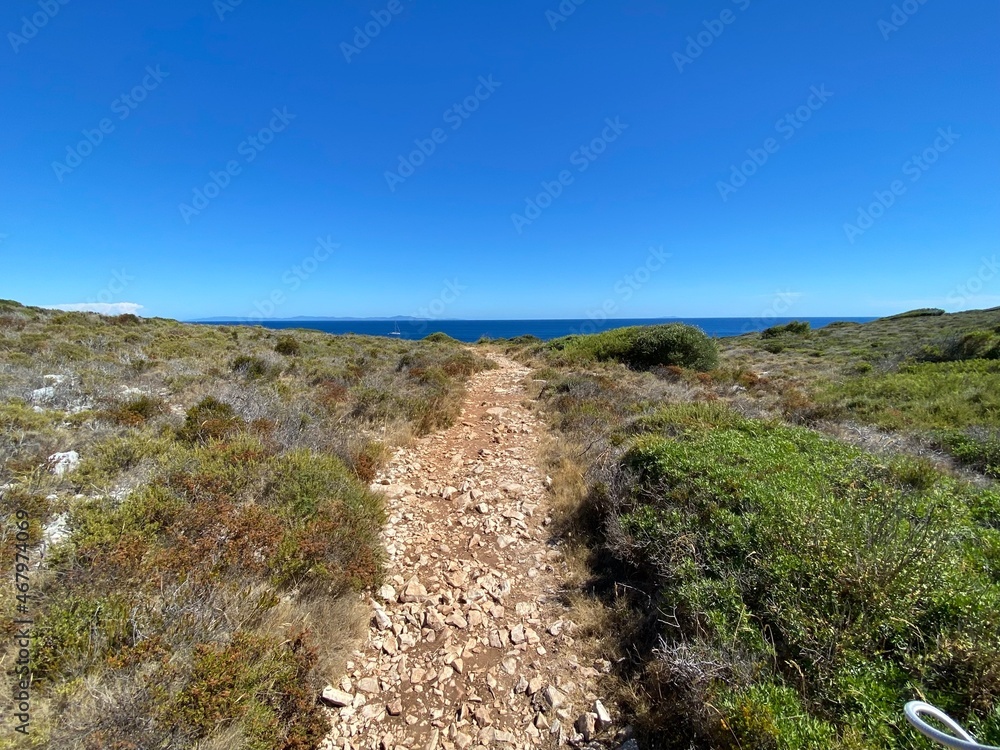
{"x": 396, "y": 332}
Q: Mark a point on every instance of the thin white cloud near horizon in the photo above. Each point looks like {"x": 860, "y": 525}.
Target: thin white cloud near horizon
{"x": 104, "y": 308}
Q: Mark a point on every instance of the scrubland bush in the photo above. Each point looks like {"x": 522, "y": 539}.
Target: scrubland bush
{"x": 782, "y": 589}
{"x": 107, "y": 459}
{"x": 641, "y": 347}
{"x": 523, "y": 340}
{"x": 127, "y": 319}
{"x": 288, "y": 346}
{"x": 11, "y": 322}
{"x": 976, "y": 447}
{"x": 821, "y": 587}
{"x": 252, "y": 367}
{"x": 795, "y": 328}
{"x": 440, "y": 338}
{"x": 209, "y": 419}
{"x": 135, "y": 411}
{"x": 368, "y": 459}
{"x": 924, "y": 312}
{"x": 330, "y": 393}
{"x": 970, "y": 345}
{"x": 227, "y": 515}
{"x": 956, "y": 403}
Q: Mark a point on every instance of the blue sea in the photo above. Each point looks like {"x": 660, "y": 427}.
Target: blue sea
{"x": 473, "y": 330}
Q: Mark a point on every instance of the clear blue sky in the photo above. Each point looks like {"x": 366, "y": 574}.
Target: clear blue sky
{"x": 865, "y": 93}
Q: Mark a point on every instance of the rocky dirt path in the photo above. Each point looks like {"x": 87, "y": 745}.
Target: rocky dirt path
{"x": 469, "y": 645}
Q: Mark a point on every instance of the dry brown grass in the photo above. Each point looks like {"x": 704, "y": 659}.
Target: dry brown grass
{"x": 598, "y": 608}
{"x": 225, "y": 738}
{"x": 336, "y": 626}
{"x": 561, "y": 460}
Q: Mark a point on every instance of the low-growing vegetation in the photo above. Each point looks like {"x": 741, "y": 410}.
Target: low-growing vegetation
{"x": 955, "y": 405}
{"x": 783, "y": 547}
{"x": 927, "y": 397}
{"x": 884, "y": 343}
{"x": 923, "y": 312}
{"x": 639, "y": 347}
{"x": 971, "y": 345}
{"x": 809, "y": 589}
{"x": 196, "y": 557}
{"x": 782, "y": 536}
{"x": 795, "y": 328}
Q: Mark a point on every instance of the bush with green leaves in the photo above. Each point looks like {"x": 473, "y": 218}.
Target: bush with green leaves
{"x": 231, "y": 519}
{"x": 641, "y": 347}
{"x": 955, "y": 404}
{"x": 136, "y": 411}
{"x": 209, "y": 419}
{"x": 811, "y": 588}
{"x": 288, "y": 346}
{"x": 923, "y": 312}
{"x": 125, "y": 319}
{"x": 794, "y": 328}
{"x": 440, "y": 338}
{"x": 252, "y": 367}
{"x": 978, "y": 344}
{"x": 976, "y": 447}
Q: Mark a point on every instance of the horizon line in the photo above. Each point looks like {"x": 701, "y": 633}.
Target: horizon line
{"x": 401, "y": 318}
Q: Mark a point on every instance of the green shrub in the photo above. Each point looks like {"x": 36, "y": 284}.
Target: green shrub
{"x": 829, "y": 586}
{"x": 976, "y": 345}
{"x": 642, "y": 347}
{"x": 127, "y": 319}
{"x": 333, "y": 521}
{"x": 258, "y": 684}
{"x": 682, "y": 346}
{"x": 795, "y": 328}
{"x": 17, "y": 415}
{"x": 136, "y": 411}
{"x": 976, "y": 448}
{"x": 103, "y": 464}
{"x": 38, "y": 509}
{"x": 74, "y": 632}
{"x": 441, "y": 338}
{"x": 765, "y": 716}
{"x": 923, "y": 397}
{"x": 677, "y": 418}
{"x": 288, "y": 346}
{"x": 526, "y": 339}
{"x": 209, "y": 419}
{"x": 924, "y": 312}
{"x": 251, "y": 367}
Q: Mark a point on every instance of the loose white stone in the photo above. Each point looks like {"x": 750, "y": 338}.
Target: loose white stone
{"x": 62, "y": 463}
{"x": 336, "y": 697}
